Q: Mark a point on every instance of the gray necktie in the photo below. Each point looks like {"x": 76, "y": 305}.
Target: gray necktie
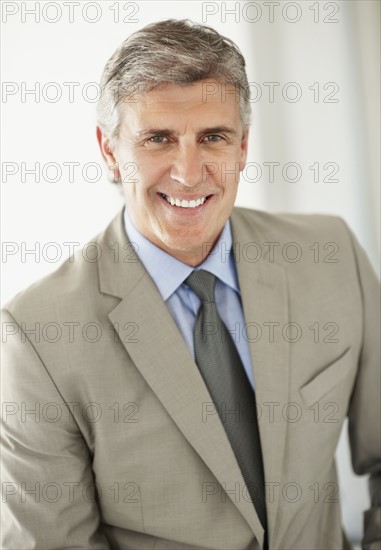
{"x": 222, "y": 370}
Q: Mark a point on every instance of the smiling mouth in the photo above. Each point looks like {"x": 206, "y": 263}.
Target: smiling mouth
{"x": 194, "y": 203}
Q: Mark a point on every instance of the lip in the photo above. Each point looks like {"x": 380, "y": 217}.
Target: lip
{"x": 184, "y": 196}
{"x": 178, "y": 210}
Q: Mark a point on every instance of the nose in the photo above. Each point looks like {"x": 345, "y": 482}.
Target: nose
{"x": 187, "y": 165}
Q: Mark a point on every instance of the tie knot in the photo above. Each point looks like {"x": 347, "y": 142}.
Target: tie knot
{"x": 202, "y": 283}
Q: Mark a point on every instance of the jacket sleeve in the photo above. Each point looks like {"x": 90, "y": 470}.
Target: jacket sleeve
{"x": 365, "y": 406}
{"x": 48, "y": 491}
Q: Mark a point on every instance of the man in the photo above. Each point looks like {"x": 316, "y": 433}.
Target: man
{"x": 209, "y": 356}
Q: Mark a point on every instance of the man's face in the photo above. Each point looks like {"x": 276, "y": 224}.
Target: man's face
{"x": 179, "y": 145}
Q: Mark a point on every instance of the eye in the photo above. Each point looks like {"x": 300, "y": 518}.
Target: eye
{"x": 158, "y": 139}
{"x": 213, "y": 138}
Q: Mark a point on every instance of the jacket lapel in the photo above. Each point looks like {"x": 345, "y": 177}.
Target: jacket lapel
{"x": 165, "y": 362}
{"x": 264, "y": 295}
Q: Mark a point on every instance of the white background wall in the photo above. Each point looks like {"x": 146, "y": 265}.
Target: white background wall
{"x": 332, "y": 46}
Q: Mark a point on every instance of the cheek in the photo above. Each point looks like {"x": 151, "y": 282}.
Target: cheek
{"x": 135, "y": 182}
{"x": 148, "y": 175}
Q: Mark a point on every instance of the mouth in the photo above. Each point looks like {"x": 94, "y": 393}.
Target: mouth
{"x": 186, "y": 204}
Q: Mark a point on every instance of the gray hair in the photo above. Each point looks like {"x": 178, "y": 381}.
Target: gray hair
{"x": 173, "y": 51}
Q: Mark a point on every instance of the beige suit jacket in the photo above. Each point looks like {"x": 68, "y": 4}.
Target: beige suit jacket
{"x": 110, "y": 440}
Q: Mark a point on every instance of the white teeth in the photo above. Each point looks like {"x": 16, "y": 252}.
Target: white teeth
{"x": 184, "y": 203}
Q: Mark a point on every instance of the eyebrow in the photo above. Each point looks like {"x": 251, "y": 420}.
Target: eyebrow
{"x": 168, "y": 131}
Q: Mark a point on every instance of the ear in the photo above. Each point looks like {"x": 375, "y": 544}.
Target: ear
{"x": 104, "y": 145}
{"x": 244, "y": 144}
{"x": 107, "y": 154}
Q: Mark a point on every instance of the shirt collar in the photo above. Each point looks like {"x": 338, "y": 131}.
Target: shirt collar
{"x": 168, "y": 273}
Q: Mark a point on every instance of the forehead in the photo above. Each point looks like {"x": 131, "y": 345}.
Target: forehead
{"x": 216, "y": 101}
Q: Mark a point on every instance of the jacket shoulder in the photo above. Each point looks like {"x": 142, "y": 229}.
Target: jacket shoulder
{"x": 299, "y": 241}
{"x": 74, "y": 282}
{"x": 286, "y": 226}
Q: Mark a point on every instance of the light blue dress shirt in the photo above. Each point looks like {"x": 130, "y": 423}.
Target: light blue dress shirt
{"x": 169, "y": 275}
